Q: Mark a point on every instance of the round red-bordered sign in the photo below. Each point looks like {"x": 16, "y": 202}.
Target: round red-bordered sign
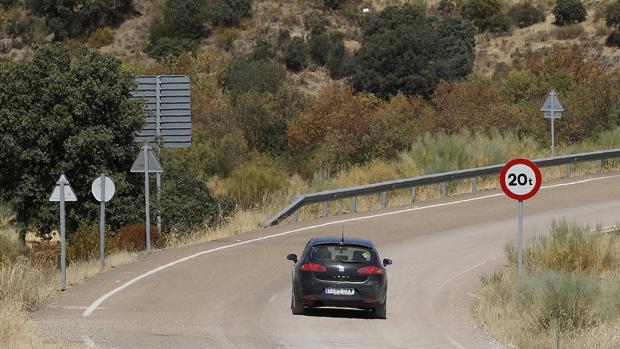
{"x": 520, "y": 179}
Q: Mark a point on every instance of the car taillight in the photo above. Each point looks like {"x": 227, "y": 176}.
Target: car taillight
{"x": 317, "y": 268}
{"x": 370, "y": 270}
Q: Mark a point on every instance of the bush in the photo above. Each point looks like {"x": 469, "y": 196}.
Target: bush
{"x": 296, "y": 54}
{"x": 480, "y": 12}
{"x": 612, "y": 15}
{"x": 328, "y": 49}
{"x": 569, "y": 11}
{"x": 402, "y": 51}
{"x": 254, "y": 182}
{"x": 46, "y": 254}
{"x": 570, "y": 247}
{"x": 101, "y": 37}
{"x": 10, "y": 247}
{"x": 186, "y": 202}
{"x": 75, "y": 18}
{"x": 245, "y": 74}
{"x": 84, "y": 243}
{"x": 228, "y": 12}
{"x": 613, "y": 40}
{"x": 171, "y": 47}
{"x": 132, "y": 237}
{"x": 334, "y": 4}
{"x": 457, "y": 41}
{"x": 525, "y": 14}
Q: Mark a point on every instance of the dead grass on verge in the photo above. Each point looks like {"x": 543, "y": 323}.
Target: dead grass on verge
{"x": 25, "y": 286}
{"x": 569, "y": 296}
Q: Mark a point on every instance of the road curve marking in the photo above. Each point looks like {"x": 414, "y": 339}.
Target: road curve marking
{"x": 91, "y": 308}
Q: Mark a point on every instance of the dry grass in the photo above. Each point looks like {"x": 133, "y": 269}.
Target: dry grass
{"x": 569, "y": 294}
{"x": 25, "y": 286}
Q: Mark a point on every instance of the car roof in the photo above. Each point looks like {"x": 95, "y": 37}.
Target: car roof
{"x": 337, "y": 240}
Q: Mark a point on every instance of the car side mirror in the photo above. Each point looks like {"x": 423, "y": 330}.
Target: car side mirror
{"x": 292, "y": 257}
{"x": 387, "y": 262}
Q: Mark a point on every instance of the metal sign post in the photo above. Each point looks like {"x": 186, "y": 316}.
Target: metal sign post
{"x": 552, "y": 109}
{"x": 103, "y": 189}
{"x": 147, "y": 162}
{"x": 63, "y": 193}
{"x": 520, "y": 180}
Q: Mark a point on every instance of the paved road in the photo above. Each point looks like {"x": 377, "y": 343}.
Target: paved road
{"x": 238, "y": 295}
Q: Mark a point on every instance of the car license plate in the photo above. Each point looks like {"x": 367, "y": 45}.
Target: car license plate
{"x": 340, "y": 291}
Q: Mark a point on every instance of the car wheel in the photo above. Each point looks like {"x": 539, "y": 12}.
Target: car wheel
{"x": 381, "y": 310}
{"x": 297, "y": 308}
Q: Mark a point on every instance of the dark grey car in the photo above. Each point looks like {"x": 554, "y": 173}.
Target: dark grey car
{"x": 338, "y": 272}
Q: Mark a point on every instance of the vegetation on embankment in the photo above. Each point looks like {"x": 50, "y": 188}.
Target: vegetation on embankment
{"x": 568, "y": 296}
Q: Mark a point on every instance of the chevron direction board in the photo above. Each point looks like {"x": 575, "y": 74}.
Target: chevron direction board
{"x": 167, "y": 101}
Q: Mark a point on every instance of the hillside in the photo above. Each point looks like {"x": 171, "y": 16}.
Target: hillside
{"x": 129, "y": 38}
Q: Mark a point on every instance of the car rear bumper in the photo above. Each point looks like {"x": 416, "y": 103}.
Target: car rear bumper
{"x": 311, "y": 291}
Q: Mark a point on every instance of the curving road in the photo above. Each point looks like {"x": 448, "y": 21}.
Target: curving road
{"x": 235, "y": 293}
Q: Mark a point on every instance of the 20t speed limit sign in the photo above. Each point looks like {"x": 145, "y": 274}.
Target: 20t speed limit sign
{"x": 520, "y": 179}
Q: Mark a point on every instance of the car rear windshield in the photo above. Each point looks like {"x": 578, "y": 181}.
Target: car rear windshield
{"x": 340, "y": 253}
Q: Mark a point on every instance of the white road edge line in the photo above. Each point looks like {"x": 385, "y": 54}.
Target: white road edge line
{"x": 89, "y": 342}
{"x": 91, "y": 308}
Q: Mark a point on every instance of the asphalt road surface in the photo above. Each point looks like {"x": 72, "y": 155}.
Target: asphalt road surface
{"x": 235, "y": 293}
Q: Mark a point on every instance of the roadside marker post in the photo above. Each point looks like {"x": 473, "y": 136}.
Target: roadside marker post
{"x": 63, "y": 193}
{"x": 103, "y": 190}
{"x": 147, "y": 162}
{"x": 520, "y": 180}
{"x": 552, "y": 109}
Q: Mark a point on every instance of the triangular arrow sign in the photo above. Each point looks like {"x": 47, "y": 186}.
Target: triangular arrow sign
{"x": 154, "y": 164}
{"x": 552, "y": 107}
{"x": 69, "y": 193}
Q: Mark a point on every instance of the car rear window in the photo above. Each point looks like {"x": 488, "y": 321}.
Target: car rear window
{"x": 340, "y": 253}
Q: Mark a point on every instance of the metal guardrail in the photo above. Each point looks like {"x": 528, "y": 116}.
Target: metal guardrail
{"x": 439, "y": 178}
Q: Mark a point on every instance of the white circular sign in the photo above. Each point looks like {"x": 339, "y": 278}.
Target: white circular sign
{"x": 109, "y": 189}
{"x": 520, "y": 179}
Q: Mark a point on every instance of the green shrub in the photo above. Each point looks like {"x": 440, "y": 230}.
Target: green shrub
{"x": 187, "y": 18}
{"x": 560, "y": 300}
{"x": 456, "y": 38}
{"x": 228, "y": 12}
{"x": 132, "y": 237}
{"x": 334, "y": 4}
{"x": 328, "y": 49}
{"x": 525, "y": 14}
{"x": 8, "y": 3}
{"x": 75, "y": 18}
{"x": 479, "y": 12}
{"x": 570, "y": 247}
{"x": 254, "y": 182}
{"x": 101, "y": 37}
{"x": 613, "y": 40}
{"x": 612, "y": 15}
{"x": 296, "y": 54}
{"x": 186, "y": 202}
{"x": 446, "y": 7}
{"x": 263, "y": 50}
{"x": 499, "y": 23}
{"x": 402, "y": 51}
{"x": 569, "y": 11}
{"x": 245, "y": 74}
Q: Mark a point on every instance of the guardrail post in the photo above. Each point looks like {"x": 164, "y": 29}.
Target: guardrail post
{"x": 384, "y": 199}
{"x": 569, "y": 170}
{"x": 600, "y": 166}
{"x": 354, "y": 204}
{"x": 442, "y": 187}
{"x": 324, "y": 209}
{"x": 413, "y": 194}
{"x": 474, "y": 184}
{"x": 296, "y": 216}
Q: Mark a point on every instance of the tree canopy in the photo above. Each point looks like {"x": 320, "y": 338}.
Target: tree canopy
{"x": 67, "y": 112}
{"x": 405, "y": 51}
